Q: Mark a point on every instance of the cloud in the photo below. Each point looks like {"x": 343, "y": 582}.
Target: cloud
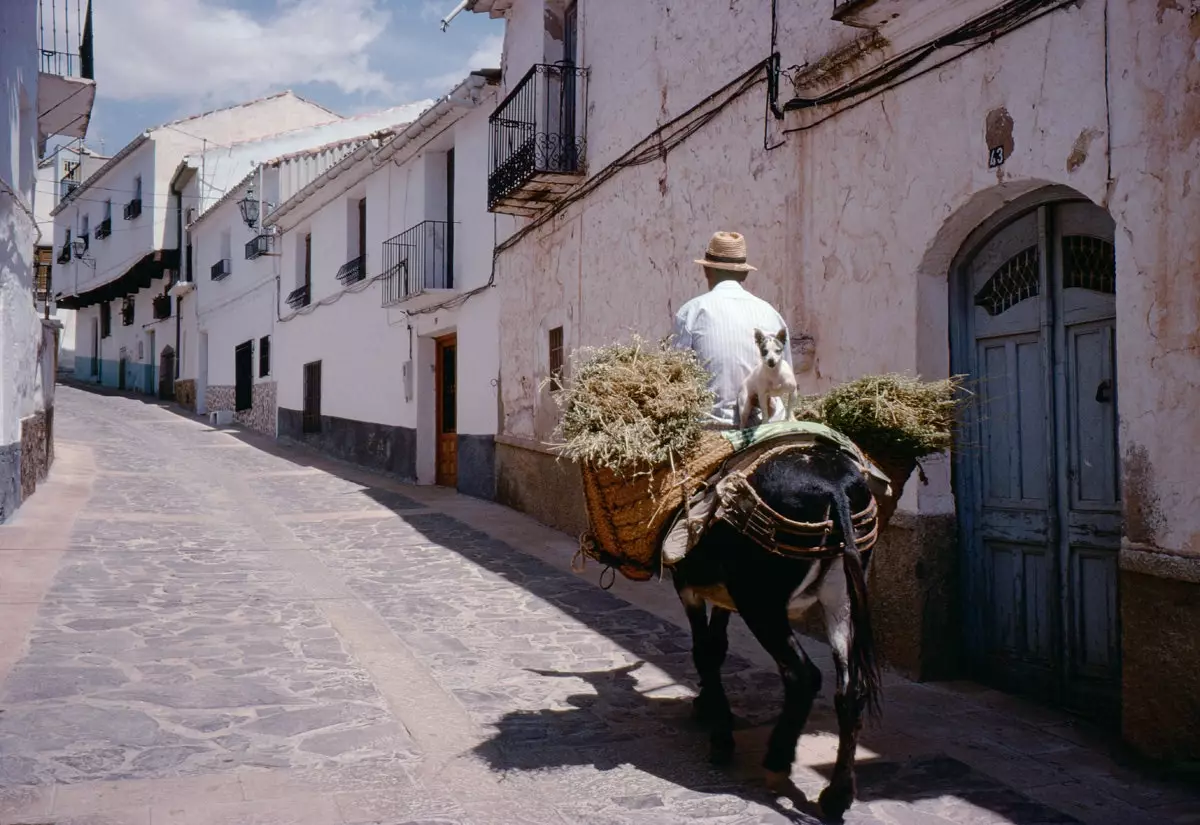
{"x": 205, "y": 51}
{"x": 485, "y": 56}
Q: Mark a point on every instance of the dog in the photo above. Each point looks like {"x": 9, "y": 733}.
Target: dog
{"x": 772, "y": 378}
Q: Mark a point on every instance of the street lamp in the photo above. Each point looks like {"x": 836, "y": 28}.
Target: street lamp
{"x": 249, "y": 207}
{"x": 79, "y": 247}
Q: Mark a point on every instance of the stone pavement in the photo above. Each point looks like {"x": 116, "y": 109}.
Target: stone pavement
{"x": 200, "y": 627}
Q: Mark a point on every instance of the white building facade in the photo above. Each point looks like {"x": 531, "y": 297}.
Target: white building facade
{"x": 47, "y": 89}
{"x": 58, "y": 174}
{"x": 235, "y": 263}
{"x": 118, "y": 238}
{"x": 1000, "y": 189}
{"x": 386, "y": 345}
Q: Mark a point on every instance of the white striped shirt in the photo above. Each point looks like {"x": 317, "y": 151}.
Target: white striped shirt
{"x": 719, "y": 326}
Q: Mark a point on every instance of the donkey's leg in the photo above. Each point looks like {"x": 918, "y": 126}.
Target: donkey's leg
{"x": 710, "y": 643}
{"x": 836, "y": 799}
{"x": 801, "y": 683}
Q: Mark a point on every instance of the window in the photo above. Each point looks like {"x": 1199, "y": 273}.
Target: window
{"x": 307, "y": 272}
{"x": 362, "y": 227}
{"x": 312, "y": 398}
{"x": 83, "y": 226}
{"x": 108, "y": 210}
{"x": 105, "y": 319}
{"x": 264, "y": 356}
{"x": 556, "y": 356}
{"x": 137, "y": 188}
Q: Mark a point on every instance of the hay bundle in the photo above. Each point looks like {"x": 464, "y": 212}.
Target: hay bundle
{"x": 895, "y": 419}
{"x": 633, "y": 408}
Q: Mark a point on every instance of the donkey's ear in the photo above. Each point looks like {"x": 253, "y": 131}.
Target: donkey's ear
{"x": 759, "y": 338}
{"x": 781, "y": 336}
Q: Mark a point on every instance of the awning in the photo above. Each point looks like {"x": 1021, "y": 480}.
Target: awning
{"x": 152, "y": 266}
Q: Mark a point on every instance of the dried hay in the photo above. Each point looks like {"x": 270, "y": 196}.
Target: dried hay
{"x": 891, "y": 415}
{"x": 632, "y": 408}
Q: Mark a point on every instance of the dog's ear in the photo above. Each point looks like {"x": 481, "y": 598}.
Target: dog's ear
{"x": 781, "y": 336}
{"x": 759, "y": 338}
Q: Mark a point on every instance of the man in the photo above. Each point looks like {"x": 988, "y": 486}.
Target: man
{"x": 719, "y": 325}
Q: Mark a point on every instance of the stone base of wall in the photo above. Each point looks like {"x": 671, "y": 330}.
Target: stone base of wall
{"x": 376, "y": 446}
{"x": 37, "y": 450}
{"x": 185, "y": 394}
{"x": 261, "y": 415}
{"x": 10, "y": 480}
{"x": 1160, "y": 652}
{"x": 477, "y": 466}
{"x": 538, "y": 484}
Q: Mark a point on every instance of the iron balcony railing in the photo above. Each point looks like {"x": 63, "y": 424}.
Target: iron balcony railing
{"x": 133, "y": 209}
{"x": 67, "y": 186}
{"x": 162, "y": 307}
{"x": 353, "y": 271}
{"x": 298, "y": 297}
{"x": 418, "y": 259}
{"x": 537, "y": 129}
{"x": 221, "y": 269}
{"x": 65, "y": 38}
{"x": 258, "y": 246}
{"x": 104, "y": 228}
{"x": 64, "y": 254}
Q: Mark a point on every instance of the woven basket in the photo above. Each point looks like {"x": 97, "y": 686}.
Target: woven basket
{"x": 898, "y": 471}
{"x": 628, "y": 516}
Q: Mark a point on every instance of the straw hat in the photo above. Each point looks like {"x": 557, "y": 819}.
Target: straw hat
{"x": 726, "y": 250}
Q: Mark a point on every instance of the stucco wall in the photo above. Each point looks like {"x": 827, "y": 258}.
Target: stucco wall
{"x": 20, "y": 332}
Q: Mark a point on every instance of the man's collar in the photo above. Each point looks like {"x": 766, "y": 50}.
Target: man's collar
{"x": 726, "y": 286}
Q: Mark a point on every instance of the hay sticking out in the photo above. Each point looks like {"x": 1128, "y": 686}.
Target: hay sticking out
{"x": 632, "y": 407}
{"x": 890, "y": 415}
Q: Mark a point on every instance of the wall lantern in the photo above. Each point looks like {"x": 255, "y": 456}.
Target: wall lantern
{"x": 249, "y": 207}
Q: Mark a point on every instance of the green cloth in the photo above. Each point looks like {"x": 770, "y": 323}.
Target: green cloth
{"x": 799, "y": 431}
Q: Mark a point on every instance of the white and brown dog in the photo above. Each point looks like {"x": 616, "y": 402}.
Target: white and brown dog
{"x": 772, "y": 378}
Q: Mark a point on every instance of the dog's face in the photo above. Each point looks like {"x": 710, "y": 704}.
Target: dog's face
{"x": 771, "y": 347}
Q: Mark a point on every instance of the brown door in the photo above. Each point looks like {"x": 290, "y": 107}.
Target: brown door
{"x": 447, "y": 411}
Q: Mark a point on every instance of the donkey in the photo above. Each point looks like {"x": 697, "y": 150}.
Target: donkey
{"x": 735, "y": 574}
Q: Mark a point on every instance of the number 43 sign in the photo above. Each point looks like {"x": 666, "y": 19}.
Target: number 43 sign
{"x": 995, "y": 157}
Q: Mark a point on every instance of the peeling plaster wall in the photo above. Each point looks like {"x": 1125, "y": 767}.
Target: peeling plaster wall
{"x": 854, "y": 222}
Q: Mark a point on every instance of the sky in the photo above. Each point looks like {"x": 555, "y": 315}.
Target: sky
{"x": 159, "y": 60}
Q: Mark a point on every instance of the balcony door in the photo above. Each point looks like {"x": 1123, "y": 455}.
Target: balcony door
{"x": 570, "y": 154}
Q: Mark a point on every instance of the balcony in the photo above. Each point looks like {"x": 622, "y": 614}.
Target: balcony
{"x": 66, "y": 77}
{"x": 353, "y": 270}
{"x": 538, "y": 142}
{"x": 299, "y": 297}
{"x": 162, "y": 307}
{"x": 127, "y": 312}
{"x": 221, "y": 269}
{"x": 104, "y": 229}
{"x": 418, "y": 260}
{"x": 133, "y": 209}
{"x": 259, "y": 246}
{"x": 64, "y": 254}
{"x": 66, "y": 186}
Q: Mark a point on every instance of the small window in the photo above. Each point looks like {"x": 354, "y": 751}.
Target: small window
{"x": 556, "y": 356}
{"x": 83, "y": 226}
{"x": 307, "y": 271}
{"x": 108, "y": 210}
{"x": 312, "y": 398}
{"x": 362, "y": 227}
{"x": 264, "y": 356}
{"x": 137, "y": 188}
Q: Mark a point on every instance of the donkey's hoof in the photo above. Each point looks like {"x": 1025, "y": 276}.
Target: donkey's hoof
{"x": 780, "y": 783}
{"x": 834, "y": 802}
{"x": 720, "y": 754}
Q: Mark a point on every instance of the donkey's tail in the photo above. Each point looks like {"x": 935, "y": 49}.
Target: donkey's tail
{"x": 864, "y": 676}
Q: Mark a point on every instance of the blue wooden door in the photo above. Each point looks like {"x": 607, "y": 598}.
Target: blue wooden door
{"x": 1038, "y": 487}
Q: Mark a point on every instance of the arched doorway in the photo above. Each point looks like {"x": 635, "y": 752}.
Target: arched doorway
{"x": 1033, "y": 319}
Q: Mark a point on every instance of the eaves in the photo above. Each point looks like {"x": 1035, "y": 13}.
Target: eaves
{"x": 306, "y": 202}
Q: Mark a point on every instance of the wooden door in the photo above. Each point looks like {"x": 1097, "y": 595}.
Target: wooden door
{"x": 243, "y": 376}
{"x": 446, "y": 428}
{"x": 1038, "y": 489}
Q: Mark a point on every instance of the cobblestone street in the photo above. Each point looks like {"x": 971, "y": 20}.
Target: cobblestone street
{"x": 198, "y": 626}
